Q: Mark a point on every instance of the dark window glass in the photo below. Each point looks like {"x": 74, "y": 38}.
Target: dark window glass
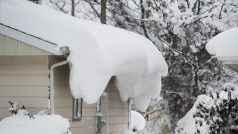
{"x": 35, "y": 1}
{"x": 77, "y": 109}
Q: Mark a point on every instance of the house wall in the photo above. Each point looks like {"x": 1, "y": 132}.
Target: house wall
{"x": 117, "y": 113}
{"x": 64, "y": 102}
{"x": 23, "y": 79}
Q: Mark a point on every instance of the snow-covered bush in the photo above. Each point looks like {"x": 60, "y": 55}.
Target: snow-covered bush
{"x": 221, "y": 117}
{"x": 14, "y": 109}
{"x": 21, "y": 122}
{"x": 214, "y": 114}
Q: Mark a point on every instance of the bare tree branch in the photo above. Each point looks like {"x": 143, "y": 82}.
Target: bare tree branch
{"x": 59, "y": 6}
{"x": 142, "y": 17}
{"x": 103, "y": 11}
{"x": 92, "y": 6}
{"x": 72, "y": 8}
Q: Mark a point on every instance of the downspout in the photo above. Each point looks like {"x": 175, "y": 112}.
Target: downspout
{"x": 102, "y": 115}
{"x": 99, "y": 116}
{"x": 65, "y": 51}
{"x": 129, "y": 115}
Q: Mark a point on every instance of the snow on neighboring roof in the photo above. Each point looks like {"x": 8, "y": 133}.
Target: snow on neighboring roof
{"x": 224, "y": 44}
{"x": 97, "y": 52}
{"x": 137, "y": 121}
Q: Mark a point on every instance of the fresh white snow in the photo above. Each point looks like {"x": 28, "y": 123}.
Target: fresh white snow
{"x": 224, "y": 44}
{"x": 40, "y": 124}
{"x": 137, "y": 121}
{"x": 97, "y": 52}
{"x": 187, "y": 124}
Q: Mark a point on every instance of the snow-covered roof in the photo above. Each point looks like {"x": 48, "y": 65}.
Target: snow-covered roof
{"x": 224, "y": 45}
{"x": 97, "y": 52}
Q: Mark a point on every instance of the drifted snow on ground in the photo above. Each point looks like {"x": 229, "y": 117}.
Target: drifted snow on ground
{"x": 40, "y": 124}
{"x": 97, "y": 52}
{"x": 224, "y": 44}
{"x": 137, "y": 121}
{"x": 187, "y": 124}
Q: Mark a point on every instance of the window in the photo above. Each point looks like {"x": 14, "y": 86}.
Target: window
{"x": 35, "y": 1}
{"x": 77, "y": 109}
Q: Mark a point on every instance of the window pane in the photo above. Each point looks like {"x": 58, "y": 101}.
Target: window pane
{"x": 77, "y": 109}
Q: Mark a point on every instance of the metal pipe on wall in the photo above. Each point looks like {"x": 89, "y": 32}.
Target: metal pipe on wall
{"x": 52, "y": 83}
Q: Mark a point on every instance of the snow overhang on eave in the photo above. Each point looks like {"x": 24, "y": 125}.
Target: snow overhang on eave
{"x": 29, "y": 39}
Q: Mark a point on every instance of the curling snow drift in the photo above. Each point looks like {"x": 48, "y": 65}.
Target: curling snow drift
{"x": 97, "y": 52}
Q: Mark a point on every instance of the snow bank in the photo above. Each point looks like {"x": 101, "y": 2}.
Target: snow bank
{"x": 137, "y": 121}
{"x": 224, "y": 44}
{"x": 97, "y": 52}
{"x": 187, "y": 124}
{"x": 22, "y": 124}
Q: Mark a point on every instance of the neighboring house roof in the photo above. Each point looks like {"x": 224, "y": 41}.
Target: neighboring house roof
{"x": 97, "y": 52}
{"x": 225, "y": 47}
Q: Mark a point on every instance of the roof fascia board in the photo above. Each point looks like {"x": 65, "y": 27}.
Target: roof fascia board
{"x": 29, "y": 39}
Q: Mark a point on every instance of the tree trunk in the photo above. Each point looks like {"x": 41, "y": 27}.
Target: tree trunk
{"x": 142, "y": 8}
{"x": 103, "y": 11}
{"x": 72, "y": 8}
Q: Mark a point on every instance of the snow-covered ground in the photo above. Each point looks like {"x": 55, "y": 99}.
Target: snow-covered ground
{"x": 190, "y": 123}
{"x": 137, "y": 121}
{"x": 187, "y": 124}
{"x": 38, "y": 124}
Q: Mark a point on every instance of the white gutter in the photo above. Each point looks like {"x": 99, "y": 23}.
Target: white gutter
{"x": 129, "y": 115}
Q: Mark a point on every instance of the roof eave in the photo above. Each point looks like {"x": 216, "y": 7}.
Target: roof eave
{"x": 29, "y": 39}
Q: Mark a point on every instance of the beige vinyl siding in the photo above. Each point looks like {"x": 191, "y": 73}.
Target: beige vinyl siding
{"x": 118, "y": 114}
{"x": 23, "y": 82}
{"x": 24, "y": 79}
{"x": 12, "y": 47}
{"x": 64, "y": 102}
